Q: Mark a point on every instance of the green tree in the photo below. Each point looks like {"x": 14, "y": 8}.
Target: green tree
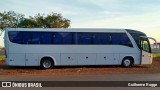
{"x": 55, "y": 20}
{"x": 12, "y": 20}
{"x": 52, "y": 20}
{"x": 39, "y": 18}
{"x": 28, "y": 23}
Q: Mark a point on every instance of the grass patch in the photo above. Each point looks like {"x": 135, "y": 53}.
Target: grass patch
{"x": 156, "y": 55}
{"x": 2, "y": 57}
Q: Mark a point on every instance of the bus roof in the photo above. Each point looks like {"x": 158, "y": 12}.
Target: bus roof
{"x": 69, "y": 29}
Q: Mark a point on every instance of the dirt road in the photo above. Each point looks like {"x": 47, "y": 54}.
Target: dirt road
{"x": 6, "y": 71}
{"x": 98, "y": 73}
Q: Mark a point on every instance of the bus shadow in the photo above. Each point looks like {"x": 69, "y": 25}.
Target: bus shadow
{"x": 17, "y": 67}
{"x": 68, "y": 67}
{"x": 100, "y": 66}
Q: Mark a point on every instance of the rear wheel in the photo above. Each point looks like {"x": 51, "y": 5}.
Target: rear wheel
{"x": 127, "y": 62}
{"x": 47, "y": 63}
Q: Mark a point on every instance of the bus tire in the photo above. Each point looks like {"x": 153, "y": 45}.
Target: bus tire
{"x": 46, "y": 63}
{"x": 127, "y": 62}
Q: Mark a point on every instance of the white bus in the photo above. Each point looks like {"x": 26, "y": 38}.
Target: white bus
{"x": 76, "y": 47}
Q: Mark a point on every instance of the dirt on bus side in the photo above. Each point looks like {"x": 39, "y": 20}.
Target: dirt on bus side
{"x": 8, "y": 71}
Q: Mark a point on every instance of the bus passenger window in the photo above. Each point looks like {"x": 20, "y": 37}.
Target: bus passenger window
{"x": 36, "y": 38}
{"x": 121, "y": 39}
{"x": 45, "y": 38}
{"x": 16, "y": 37}
{"x": 101, "y": 38}
{"x": 84, "y": 38}
{"x": 62, "y": 38}
{"x": 26, "y": 38}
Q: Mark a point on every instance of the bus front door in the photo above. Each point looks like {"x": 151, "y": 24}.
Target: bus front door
{"x": 146, "y": 51}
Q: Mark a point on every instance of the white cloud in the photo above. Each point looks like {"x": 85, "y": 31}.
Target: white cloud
{"x": 103, "y": 3}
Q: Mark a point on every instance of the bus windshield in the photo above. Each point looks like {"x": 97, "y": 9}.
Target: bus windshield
{"x": 141, "y": 41}
{"x": 136, "y": 36}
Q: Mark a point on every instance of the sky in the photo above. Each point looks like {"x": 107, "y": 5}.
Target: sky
{"x": 142, "y": 15}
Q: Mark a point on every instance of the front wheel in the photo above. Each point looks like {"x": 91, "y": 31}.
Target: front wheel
{"x": 127, "y": 62}
{"x": 46, "y": 63}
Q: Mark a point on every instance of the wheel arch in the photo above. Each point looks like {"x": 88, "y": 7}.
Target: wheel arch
{"x": 128, "y": 57}
{"x": 52, "y": 58}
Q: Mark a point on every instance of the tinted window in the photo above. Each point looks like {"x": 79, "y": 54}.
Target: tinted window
{"x": 62, "y": 38}
{"x": 26, "y": 38}
{"x": 69, "y": 38}
{"x": 125, "y": 40}
{"x": 120, "y": 39}
{"x": 116, "y": 38}
{"x": 16, "y": 37}
{"x": 136, "y": 36}
{"x": 84, "y": 38}
{"x": 36, "y": 38}
{"x": 46, "y": 38}
{"x": 101, "y": 38}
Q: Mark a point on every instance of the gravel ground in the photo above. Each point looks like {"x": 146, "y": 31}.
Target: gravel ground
{"x": 89, "y": 70}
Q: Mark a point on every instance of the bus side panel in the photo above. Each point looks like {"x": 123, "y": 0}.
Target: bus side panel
{"x": 86, "y": 59}
{"x": 116, "y": 59}
{"x": 105, "y": 59}
{"x": 69, "y": 59}
{"x": 31, "y": 59}
{"x": 16, "y": 59}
